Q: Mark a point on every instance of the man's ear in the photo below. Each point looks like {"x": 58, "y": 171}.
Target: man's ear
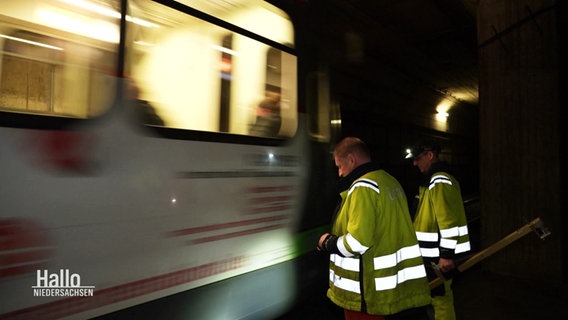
{"x": 352, "y": 158}
{"x": 431, "y": 155}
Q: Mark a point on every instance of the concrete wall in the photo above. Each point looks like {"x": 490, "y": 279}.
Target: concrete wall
{"x": 521, "y": 129}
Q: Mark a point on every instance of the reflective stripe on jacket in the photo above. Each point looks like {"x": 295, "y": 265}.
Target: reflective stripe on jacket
{"x": 379, "y": 269}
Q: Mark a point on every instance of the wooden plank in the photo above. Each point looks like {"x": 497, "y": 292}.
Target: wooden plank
{"x": 535, "y": 225}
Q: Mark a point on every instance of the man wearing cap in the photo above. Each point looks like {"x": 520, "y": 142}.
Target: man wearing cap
{"x": 440, "y": 222}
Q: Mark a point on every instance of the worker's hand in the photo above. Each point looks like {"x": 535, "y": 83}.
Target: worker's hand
{"x": 321, "y": 240}
{"x": 446, "y": 265}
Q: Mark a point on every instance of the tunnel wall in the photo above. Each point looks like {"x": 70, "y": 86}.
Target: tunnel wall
{"x": 521, "y": 129}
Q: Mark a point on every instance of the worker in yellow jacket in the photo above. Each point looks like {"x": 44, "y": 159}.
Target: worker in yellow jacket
{"x": 440, "y": 222}
{"x": 376, "y": 269}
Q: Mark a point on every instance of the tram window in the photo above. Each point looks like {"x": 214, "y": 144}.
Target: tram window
{"x": 57, "y": 58}
{"x": 201, "y": 76}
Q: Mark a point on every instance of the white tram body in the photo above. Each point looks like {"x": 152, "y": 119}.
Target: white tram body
{"x": 103, "y": 209}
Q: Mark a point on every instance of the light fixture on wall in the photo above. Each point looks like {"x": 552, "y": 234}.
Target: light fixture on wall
{"x": 442, "y": 116}
{"x": 442, "y": 110}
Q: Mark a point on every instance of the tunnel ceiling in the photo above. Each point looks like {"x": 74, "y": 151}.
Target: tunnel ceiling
{"x": 432, "y": 41}
{"x": 423, "y": 48}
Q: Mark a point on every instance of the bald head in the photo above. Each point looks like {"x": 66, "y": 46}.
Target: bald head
{"x": 350, "y": 153}
{"x": 352, "y": 145}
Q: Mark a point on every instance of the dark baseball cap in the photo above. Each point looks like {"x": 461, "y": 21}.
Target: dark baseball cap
{"x": 421, "y": 147}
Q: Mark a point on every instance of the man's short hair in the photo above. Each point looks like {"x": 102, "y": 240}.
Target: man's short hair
{"x": 351, "y": 145}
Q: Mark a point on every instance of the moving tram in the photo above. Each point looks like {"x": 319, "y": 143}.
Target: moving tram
{"x": 157, "y": 160}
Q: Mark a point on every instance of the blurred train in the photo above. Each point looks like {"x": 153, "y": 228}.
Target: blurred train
{"x": 138, "y": 179}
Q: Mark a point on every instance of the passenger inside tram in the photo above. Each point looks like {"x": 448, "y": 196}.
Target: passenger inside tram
{"x": 145, "y": 111}
{"x": 268, "y": 116}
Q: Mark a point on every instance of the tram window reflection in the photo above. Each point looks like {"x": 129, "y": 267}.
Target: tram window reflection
{"x": 200, "y": 76}
{"x": 60, "y": 58}
{"x": 50, "y": 64}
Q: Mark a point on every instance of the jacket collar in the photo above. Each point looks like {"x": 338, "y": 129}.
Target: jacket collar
{"x": 345, "y": 182}
{"x": 439, "y": 166}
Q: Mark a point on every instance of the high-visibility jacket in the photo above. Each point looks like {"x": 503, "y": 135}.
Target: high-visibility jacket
{"x": 379, "y": 269}
{"x": 440, "y": 221}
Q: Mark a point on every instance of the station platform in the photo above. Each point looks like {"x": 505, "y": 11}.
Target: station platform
{"x": 482, "y": 295}
{"x": 478, "y": 295}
